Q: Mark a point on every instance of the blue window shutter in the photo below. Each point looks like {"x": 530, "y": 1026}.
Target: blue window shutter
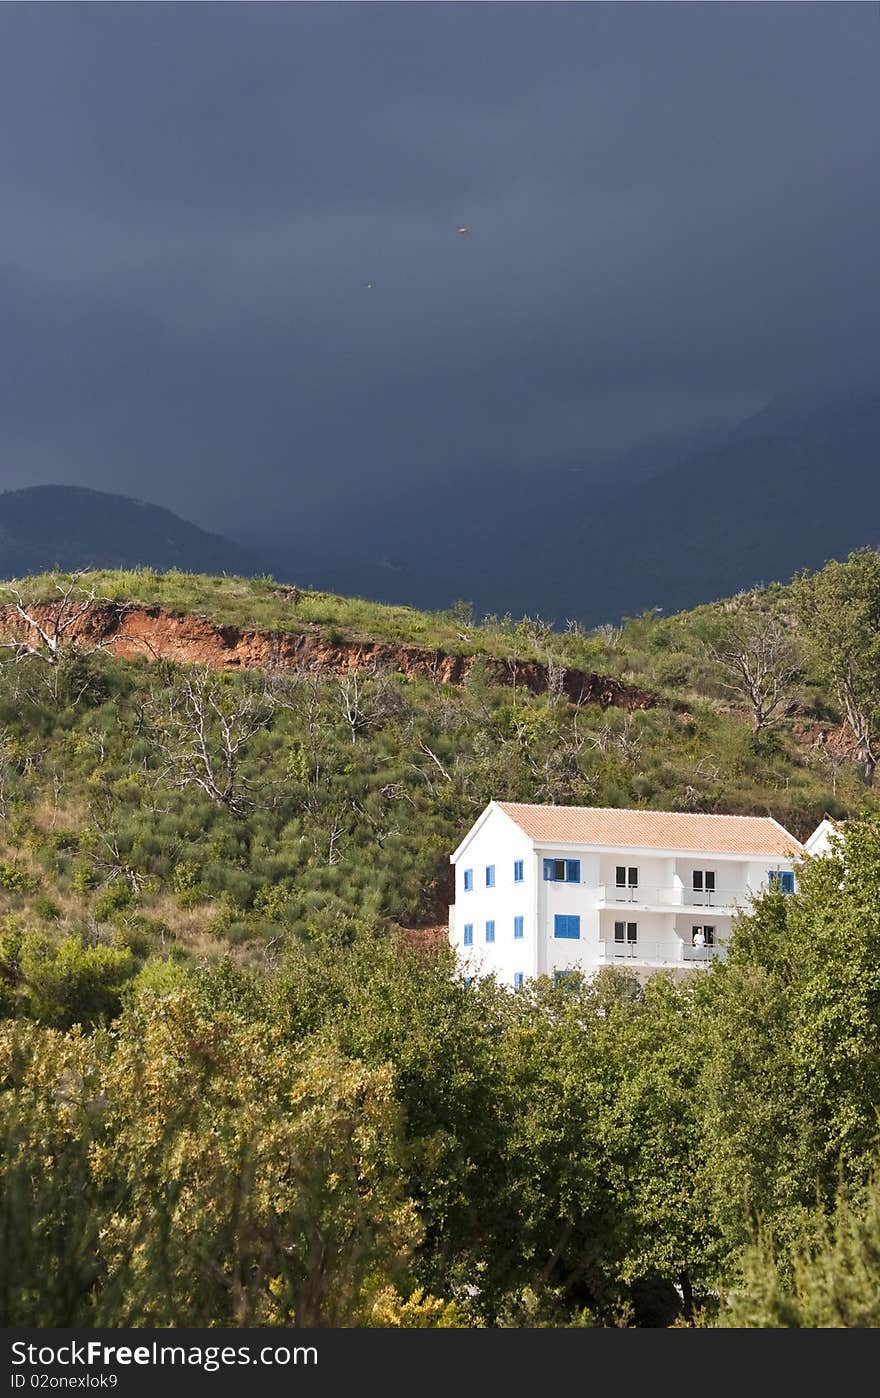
{"x": 468, "y": 880}
{"x": 517, "y": 928}
{"x": 490, "y": 875}
{"x": 787, "y": 881}
{"x": 517, "y": 980}
{"x": 469, "y": 934}
{"x": 573, "y": 870}
{"x": 517, "y": 871}
{"x": 490, "y": 931}
{"x": 568, "y": 926}
{"x": 549, "y": 870}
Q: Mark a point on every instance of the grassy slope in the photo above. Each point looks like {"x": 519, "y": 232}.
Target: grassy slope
{"x": 74, "y": 775}
{"x": 663, "y": 653}
{"x": 265, "y": 604}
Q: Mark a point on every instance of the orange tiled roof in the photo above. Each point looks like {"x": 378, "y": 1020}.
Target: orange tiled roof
{"x": 672, "y": 830}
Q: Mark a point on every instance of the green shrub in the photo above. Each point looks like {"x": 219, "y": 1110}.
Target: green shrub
{"x": 113, "y": 899}
{"x": 84, "y": 878}
{"x": 17, "y": 880}
{"x": 64, "y": 983}
{"x": 46, "y": 908}
{"x": 186, "y": 882}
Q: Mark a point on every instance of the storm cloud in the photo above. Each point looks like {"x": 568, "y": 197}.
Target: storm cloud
{"x": 674, "y": 214}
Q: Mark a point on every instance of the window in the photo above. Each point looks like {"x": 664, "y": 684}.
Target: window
{"x": 703, "y": 936}
{"x": 469, "y": 934}
{"x": 626, "y": 932}
{"x": 566, "y": 925}
{"x": 626, "y": 879}
{"x": 490, "y": 875}
{"x": 517, "y": 871}
{"x": 517, "y": 980}
{"x": 517, "y": 929}
{"x": 490, "y": 931}
{"x": 562, "y": 870}
{"x": 468, "y": 880}
{"x": 704, "y": 885}
{"x": 781, "y": 878}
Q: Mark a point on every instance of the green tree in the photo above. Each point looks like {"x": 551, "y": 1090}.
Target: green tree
{"x": 385, "y": 1003}
{"x": 791, "y": 1028}
{"x": 197, "y": 1169}
{"x": 276, "y": 1169}
{"x": 834, "y": 1281}
{"x": 51, "y": 1211}
{"x": 605, "y": 1175}
{"x": 839, "y": 615}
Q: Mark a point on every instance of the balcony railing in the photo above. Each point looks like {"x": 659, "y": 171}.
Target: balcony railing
{"x": 653, "y": 953}
{"x": 714, "y": 897}
{"x": 671, "y": 897}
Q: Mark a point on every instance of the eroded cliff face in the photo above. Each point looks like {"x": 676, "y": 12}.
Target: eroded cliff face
{"x": 159, "y": 634}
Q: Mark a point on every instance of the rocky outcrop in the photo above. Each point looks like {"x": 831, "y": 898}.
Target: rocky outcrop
{"x": 160, "y": 634}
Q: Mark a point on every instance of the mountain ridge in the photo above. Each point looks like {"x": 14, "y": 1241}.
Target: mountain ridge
{"x": 74, "y": 527}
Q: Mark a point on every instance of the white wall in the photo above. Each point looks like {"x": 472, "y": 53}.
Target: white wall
{"x": 497, "y": 842}
{"x": 822, "y": 840}
{"x": 559, "y": 953}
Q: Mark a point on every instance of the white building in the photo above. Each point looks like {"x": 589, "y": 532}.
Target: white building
{"x": 541, "y": 890}
{"x": 824, "y": 839}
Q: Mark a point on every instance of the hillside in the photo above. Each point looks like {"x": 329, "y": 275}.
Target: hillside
{"x": 378, "y": 732}
{"x": 68, "y": 527}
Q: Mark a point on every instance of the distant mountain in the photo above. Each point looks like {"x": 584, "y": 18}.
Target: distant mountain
{"x": 492, "y": 536}
{"x": 670, "y": 525}
{"x": 790, "y": 488}
{"x": 72, "y": 528}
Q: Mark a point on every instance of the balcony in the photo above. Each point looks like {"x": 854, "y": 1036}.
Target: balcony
{"x": 658, "y": 954}
{"x": 715, "y": 897}
{"x": 671, "y": 899}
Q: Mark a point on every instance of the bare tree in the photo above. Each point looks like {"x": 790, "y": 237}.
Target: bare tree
{"x": 759, "y": 662}
{"x": 369, "y": 699}
{"x": 47, "y": 629}
{"x": 351, "y": 700}
{"x": 9, "y": 771}
{"x": 52, "y": 635}
{"x": 108, "y": 861}
{"x": 203, "y": 728}
{"x": 832, "y": 754}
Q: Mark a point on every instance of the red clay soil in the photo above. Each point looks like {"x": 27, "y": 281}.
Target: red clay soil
{"x": 160, "y": 634}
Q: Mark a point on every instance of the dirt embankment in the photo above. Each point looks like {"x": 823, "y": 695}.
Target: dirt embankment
{"x": 159, "y": 634}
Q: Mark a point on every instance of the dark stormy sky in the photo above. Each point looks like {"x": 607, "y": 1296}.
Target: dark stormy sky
{"x": 675, "y": 213}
